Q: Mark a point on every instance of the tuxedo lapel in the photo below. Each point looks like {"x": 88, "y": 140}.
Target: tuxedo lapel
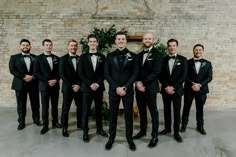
{"x": 115, "y": 60}
{"x": 175, "y": 63}
{"x": 31, "y": 63}
{"x": 98, "y": 62}
{"x": 70, "y": 62}
{"x": 125, "y": 62}
{"x": 167, "y": 67}
{"x": 90, "y": 61}
{"x": 203, "y": 64}
{"x": 193, "y": 66}
{"x": 23, "y": 62}
{"x": 46, "y": 61}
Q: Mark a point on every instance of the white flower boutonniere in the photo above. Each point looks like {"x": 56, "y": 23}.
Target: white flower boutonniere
{"x": 177, "y": 62}
{"x": 128, "y": 55}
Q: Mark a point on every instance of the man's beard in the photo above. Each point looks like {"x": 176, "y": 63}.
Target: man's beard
{"x": 25, "y": 51}
{"x": 148, "y": 45}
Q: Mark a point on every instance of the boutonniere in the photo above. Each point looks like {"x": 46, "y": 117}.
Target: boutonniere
{"x": 177, "y": 62}
{"x": 31, "y": 58}
{"x": 54, "y": 60}
{"x": 149, "y": 56}
{"x": 99, "y": 58}
{"x": 77, "y": 60}
{"x": 203, "y": 64}
{"x": 128, "y": 55}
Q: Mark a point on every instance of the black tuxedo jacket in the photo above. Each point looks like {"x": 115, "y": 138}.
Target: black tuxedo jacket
{"x": 121, "y": 76}
{"x": 68, "y": 74}
{"x": 88, "y": 75}
{"x": 43, "y": 72}
{"x": 178, "y": 75}
{"x": 149, "y": 72}
{"x": 18, "y": 69}
{"x": 203, "y": 77}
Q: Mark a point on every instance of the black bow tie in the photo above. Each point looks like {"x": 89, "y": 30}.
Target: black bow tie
{"x": 94, "y": 54}
{"x": 121, "y": 52}
{"x": 73, "y": 57}
{"x": 198, "y": 60}
{"x": 145, "y": 51}
{"x": 48, "y": 56}
{"x": 171, "y": 57}
{"x": 26, "y": 56}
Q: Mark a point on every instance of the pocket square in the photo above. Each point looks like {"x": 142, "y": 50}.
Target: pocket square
{"x": 130, "y": 59}
{"x": 178, "y": 63}
{"x": 150, "y": 59}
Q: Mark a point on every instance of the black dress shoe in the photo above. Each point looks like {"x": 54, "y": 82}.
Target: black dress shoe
{"x": 139, "y": 135}
{"x": 86, "y": 137}
{"x": 165, "y": 131}
{"x": 44, "y": 130}
{"x": 108, "y": 146}
{"x": 65, "y": 133}
{"x": 102, "y": 133}
{"x": 56, "y": 125}
{"x": 21, "y": 127}
{"x": 178, "y": 138}
{"x": 132, "y": 146}
{"x": 153, "y": 142}
{"x": 201, "y": 130}
{"x": 38, "y": 123}
{"x": 183, "y": 129}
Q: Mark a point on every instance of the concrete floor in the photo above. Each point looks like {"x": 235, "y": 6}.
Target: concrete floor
{"x": 219, "y": 142}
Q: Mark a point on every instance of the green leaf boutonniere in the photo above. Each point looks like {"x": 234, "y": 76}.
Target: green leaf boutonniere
{"x": 203, "y": 64}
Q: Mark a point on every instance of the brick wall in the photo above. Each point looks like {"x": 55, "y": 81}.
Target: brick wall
{"x": 210, "y": 22}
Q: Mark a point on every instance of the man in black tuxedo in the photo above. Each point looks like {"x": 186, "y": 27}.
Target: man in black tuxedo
{"x": 121, "y": 69}
{"x": 46, "y": 71}
{"x": 150, "y": 65}
{"x": 196, "y": 87}
{"x": 24, "y": 82}
{"x": 172, "y": 77}
{"x": 91, "y": 70}
{"x": 68, "y": 71}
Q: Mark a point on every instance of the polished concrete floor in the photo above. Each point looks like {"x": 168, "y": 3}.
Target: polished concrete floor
{"x": 219, "y": 142}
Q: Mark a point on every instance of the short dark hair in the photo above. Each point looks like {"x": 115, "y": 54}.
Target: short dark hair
{"x": 172, "y": 40}
{"x": 92, "y": 36}
{"x": 121, "y": 33}
{"x": 25, "y": 40}
{"x": 72, "y": 40}
{"x": 198, "y": 45}
{"x": 46, "y": 40}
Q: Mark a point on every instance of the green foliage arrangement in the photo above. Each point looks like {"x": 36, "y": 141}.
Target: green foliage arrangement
{"x": 161, "y": 47}
{"x": 106, "y": 37}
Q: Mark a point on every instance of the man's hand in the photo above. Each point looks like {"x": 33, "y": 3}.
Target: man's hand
{"x": 52, "y": 82}
{"x": 170, "y": 90}
{"x": 121, "y": 91}
{"x": 28, "y": 78}
{"x": 94, "y": 86}
{"x": 140, "y": 86}
{"x": 196, "y": 87}
{"x": 75, "y": 88}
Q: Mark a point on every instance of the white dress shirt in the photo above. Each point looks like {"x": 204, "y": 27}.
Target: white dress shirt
{"x": 27, "y": 61}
